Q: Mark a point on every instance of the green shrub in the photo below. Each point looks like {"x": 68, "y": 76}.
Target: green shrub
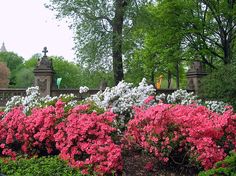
{"x": 227, "y": 167}
{"x": 42, "y": 166}
{"x": 220, "y": 85}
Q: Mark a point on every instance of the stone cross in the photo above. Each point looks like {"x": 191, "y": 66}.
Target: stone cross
{"x": 45, "y": 51}
{"x": 43, "y": 73}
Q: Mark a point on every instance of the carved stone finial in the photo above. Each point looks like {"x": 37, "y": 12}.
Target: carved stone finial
{"x": 44, "y": 63}
{"x": 43, "y": 73}
{"x": 45, "y": 51}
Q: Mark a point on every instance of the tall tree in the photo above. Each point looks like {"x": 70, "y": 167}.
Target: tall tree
{"x": 101, "y": 29}
{"x": 159, "y": 33}
{"x": 211, "y": 30}
{"x": 185, "y": 30}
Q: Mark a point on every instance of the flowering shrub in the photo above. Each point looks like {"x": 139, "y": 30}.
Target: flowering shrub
{"x": 121, "y": 98}
{"x": 9, "y": 127}
{"x": 164, "y": 129}
{"x": 13, "y": 102}
{"x": 83, "y": 89}
{"x": 33, "y": 99}
{"x": 81, "y": 134}
{"x": 181, "y": 97}
{"x": 82, "y": 138}
{"x": 216, "y": 106}
{"x": 31, "y": 134}
{"x": 186, "y": 98}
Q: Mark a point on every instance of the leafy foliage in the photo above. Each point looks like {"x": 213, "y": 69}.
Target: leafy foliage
{"x": 11, "y": 59}
{"x": 172, "y": 32}
{"x": 220, "y": 85}
{"x": 70, "y": 73}
{"x": 37, "y": 166}
{"x": 152, "y": 54}
{"x": 24, "y": 77}
{"x": 74, "y": 76}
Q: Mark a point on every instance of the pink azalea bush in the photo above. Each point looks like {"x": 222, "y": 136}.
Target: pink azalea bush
{"x": 82, "y": 138}
{"x": 165, "y": 130}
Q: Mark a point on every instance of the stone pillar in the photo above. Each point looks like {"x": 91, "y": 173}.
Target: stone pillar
{"x": 43, "y": 73}
{"x": 103, "y": 85}
{"x": 194, "y": 75}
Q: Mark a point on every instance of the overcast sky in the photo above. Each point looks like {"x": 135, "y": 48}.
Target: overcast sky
{"x": 27, "y": 26}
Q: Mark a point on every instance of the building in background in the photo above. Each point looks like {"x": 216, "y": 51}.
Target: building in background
{"x": 3, "y": 48}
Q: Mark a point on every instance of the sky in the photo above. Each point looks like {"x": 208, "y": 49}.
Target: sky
{"x": 27, "y": 26}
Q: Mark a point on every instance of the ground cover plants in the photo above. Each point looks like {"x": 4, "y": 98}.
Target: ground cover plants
{"x": 93, "y": 135}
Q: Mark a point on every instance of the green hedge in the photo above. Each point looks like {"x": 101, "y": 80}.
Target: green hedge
{"x": 43, "y": 166}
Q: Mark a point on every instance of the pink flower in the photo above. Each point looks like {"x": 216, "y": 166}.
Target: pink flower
{"x": 149, "y": 166}
{"x": 149, "y": 99}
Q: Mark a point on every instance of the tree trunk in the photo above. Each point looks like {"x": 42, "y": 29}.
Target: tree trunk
{"x": 169, "y": 79}
{"x": 177, "y": 75}
{"x": 227, "y": 52}
{"x": 229, "y": 35}
{"x": 117, "y": 40}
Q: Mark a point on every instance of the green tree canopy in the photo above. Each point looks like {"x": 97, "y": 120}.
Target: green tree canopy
{"x": 69, "y": 72}
{"x": 173, "y": 32}
{"x": 74, "y": 76}
{"x": 24, "y": 77}
{"x": 101, "y": 30}
{"x": 157, "y": 39}
{"x": 11, "y": 59}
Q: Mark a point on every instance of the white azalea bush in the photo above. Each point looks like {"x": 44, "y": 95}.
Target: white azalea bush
{"x": 185, "y": 98}
{"x": 33, "y": 99}
{"x": 216, "y": 106}
{"x": 182, "y": 97}
{"x": 121, "y": 98}
{"x": 28, "y": 102}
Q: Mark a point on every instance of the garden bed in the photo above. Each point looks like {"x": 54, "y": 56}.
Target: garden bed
{"x": 179, "y": 137}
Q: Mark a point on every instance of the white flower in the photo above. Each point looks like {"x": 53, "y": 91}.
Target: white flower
{"x": 216, "y": 106}
{"x": 161, "y": 97}
{"x": 181, "y": 97}
{"x": 83, "y": 89}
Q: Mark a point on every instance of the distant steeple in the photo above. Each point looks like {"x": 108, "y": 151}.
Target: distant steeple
{"x": 3, "y": 48}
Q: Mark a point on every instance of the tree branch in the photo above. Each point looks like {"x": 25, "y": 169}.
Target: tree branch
{"x": 91, "y": 17}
